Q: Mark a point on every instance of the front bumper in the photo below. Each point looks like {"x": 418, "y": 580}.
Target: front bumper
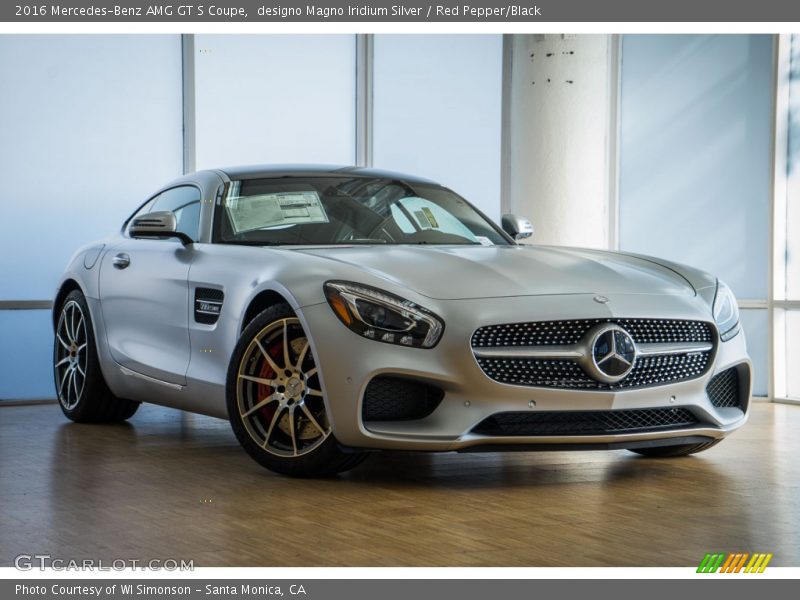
{"x": 349, "y": 362}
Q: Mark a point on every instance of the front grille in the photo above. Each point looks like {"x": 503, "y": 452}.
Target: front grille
{"x": 565, "y": 373}
{"x": 543, "y": 333}
{"x": 723, "y": 389}
{"x": 596, "y": 422}
{"x": 395, "y": 399}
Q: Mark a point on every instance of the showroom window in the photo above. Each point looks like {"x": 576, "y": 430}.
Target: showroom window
{"x": 787, "y": 224}
{"x": 63, "y": 102}
{"x": 274, "y": 99}
{"x": 722, "y": 97}
{"x": 701, "y": 108}
{"x": 202, "y": 101}
{"x": 262, "y": 99}
{"x": 438, "y": 111}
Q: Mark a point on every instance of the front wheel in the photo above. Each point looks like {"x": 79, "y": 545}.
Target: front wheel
{"x": 275, "y": 400}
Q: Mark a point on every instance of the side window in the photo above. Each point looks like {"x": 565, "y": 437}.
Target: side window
{"x": 185, "y": 203}
{"x": 189, "y": 219}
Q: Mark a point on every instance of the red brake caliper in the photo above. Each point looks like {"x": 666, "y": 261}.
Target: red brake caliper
{"x": 266, "y": 372}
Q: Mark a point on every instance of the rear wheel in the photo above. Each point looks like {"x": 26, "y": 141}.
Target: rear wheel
{"x": 275, "y": 401}
{"x": 82, "y": 392}
{"x": 674, "y": 451}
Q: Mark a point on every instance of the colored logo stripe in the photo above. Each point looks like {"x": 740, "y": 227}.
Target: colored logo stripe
{"x": 711, "y": 563}
{"x": 758, "y": 563}
{"x": 727, "y": 564}
{"x": 704, "y": 563}
{"x": 734, "y": 562}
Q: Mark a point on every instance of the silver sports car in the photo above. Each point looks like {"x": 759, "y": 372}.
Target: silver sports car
{"x": 330, "y": 312}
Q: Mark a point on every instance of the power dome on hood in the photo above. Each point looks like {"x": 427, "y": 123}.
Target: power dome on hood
{"x": 468, "y": 272}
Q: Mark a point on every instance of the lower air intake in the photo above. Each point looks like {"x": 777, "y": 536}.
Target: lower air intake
{"x": 723, "y": 389}
{"x": 397, "y": 399}
{"x": 595, "y": 422}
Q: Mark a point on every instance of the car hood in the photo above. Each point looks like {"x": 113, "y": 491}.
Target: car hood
{"x": 466, "y": 272}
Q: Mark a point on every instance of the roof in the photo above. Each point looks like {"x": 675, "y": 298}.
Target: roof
{"x": 299, "y": 170}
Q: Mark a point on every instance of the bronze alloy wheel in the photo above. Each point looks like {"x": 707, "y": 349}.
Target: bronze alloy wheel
{"x": 278, "y": 391}
{"x": 276, "y": 403}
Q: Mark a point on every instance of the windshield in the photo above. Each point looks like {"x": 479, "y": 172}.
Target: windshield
{"x": 348, "y": 210}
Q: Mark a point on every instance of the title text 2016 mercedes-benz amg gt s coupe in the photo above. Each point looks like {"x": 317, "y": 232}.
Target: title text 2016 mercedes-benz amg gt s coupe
{"x": 329, "y": 312}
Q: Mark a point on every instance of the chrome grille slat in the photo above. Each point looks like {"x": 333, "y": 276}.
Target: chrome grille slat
{"x": 562, "y": 352}
{"x": 543, "y": 333}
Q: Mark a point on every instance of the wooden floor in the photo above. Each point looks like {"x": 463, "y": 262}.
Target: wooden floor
{"x": 174, "y": 485}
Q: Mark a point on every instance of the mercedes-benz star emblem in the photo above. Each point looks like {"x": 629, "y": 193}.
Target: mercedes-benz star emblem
{"x": 611, "y": 353}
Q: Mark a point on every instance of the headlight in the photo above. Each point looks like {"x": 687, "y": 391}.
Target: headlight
{"x": 382, "y": 316}
{"x": 726, "y": 312}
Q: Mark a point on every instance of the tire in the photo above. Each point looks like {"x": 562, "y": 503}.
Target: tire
{"x": 83, "y": 394}
{"x": 675, "y": 451}
{"x": 275, "y": 403}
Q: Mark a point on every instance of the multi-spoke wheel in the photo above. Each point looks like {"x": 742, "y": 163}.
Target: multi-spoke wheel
{"x": 278, "y": 395}
{"x": 82, "y": 391}
{"x": 70, "y": 354}
{"x": 275, "y": 399}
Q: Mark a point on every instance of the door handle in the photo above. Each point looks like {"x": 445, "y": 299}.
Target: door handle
{"x": 121, "y": 261}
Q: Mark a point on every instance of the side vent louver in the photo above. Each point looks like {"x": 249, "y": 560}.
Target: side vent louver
{"x": 207, "y": 305}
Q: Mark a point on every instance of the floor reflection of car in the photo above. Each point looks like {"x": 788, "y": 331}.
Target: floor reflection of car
{"x": 330, "y": 312}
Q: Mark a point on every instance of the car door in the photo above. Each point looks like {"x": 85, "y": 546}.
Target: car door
{"x": 144, "y": 293}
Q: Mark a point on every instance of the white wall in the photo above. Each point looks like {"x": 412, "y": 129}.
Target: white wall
{"x": 438, "y": 110}
{"x": 275, "y": 99}
{"x": 559, "y": 137}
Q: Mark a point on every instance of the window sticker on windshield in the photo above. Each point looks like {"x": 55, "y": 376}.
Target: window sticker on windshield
{"x": 422, "y": 219}
{"x": 484, "y": 240}
{"x": 264, "y": 211}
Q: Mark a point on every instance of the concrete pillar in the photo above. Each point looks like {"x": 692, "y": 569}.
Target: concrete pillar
{"x": 560, "y": 137}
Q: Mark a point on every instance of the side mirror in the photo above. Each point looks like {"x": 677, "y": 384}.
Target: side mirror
{"x": 162, "y": 224}
{"x": 517, "y": 227}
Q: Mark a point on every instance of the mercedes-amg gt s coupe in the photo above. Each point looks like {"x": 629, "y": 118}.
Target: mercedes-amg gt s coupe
{"x": 329, "y": 312}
